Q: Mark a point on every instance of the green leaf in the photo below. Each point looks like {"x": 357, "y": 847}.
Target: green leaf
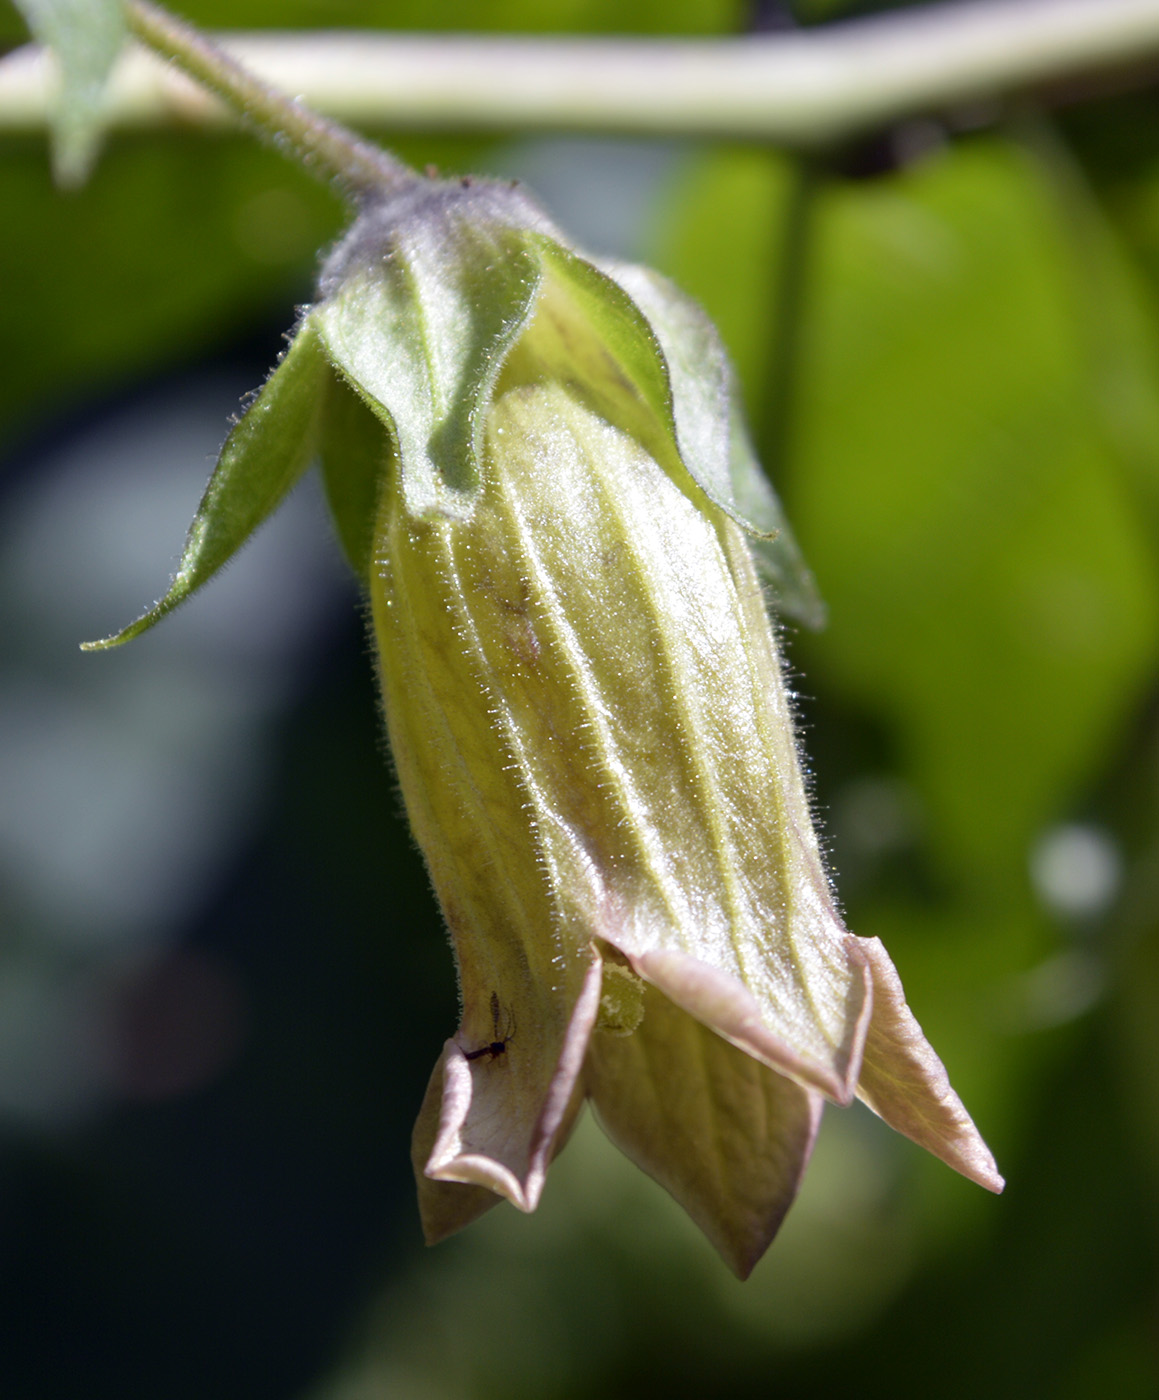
{"x": 86, "y": 37}
{"x": 354, "y": 454}
{"x": 420, "y": 330}
{"x": 965, "y": 496}
{"x": 175, "y": 250}
{"x": 263, "y": 457}
{"x": 619, "y": 367}
{"x": 722, "y": 240}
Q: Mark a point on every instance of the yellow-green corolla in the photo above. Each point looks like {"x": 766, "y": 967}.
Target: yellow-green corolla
{"x": 535, "y": 464}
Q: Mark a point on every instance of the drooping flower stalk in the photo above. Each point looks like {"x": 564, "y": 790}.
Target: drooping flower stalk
{"x": 537, "y": 467}
{"x": 325, "y": 148}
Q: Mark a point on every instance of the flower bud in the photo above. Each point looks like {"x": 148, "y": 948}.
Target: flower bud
{"x": 537, "y": 467}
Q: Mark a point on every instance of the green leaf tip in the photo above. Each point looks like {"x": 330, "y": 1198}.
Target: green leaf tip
{"x": 601, "y": 344}
{"x": 264, "y": 455}
{"x": 85, "y": 36}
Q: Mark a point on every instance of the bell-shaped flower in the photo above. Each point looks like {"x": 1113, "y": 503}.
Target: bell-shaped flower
{"x": 536, "y": 465}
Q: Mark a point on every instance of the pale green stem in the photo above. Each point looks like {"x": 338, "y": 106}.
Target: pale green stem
{"x": 799, "y": 89}
{"x": 322, "y": 146}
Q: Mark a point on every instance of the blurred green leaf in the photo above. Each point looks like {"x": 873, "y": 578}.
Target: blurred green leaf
{"x": 993, "y": 592}
{"x": 176, "y": 245}
{"x": 578, "y": 16}
{"x": 1113, "y": 258}
{"x": 719, "y": 237}
{"x": 86, "y": 37}
{"x": 639, "y": 16}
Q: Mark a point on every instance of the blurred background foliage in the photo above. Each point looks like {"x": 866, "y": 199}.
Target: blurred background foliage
{"x": 223, "y": 981}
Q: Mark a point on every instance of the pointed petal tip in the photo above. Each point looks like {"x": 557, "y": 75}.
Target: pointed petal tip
{"x": 726, "y": 1136}
{"x": 742, "y": 1261}
{"x": 742, "y": 1252}
{"x": 904, "y": 1082}
{"x": 987, "y": 1175}
{"x": 450, "y": 1161}
{"x": 445, "y": 1208}
{"x": 964, "y": 1150}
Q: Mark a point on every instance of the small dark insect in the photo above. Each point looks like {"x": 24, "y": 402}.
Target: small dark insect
{"x": 499, "y": 1045}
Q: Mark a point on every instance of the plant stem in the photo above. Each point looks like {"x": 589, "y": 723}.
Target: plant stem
{"x": 806, "y": 89}
{"x": 325, "y": 148}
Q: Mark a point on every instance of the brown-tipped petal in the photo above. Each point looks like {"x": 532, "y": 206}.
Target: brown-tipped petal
{"x": 727, "y": 1007}
{"x": 905, "y": 1083}
{"x": 502, "y": 1116}
{"x": 444, "y": 1206}
{"x": 727, "y": 1137}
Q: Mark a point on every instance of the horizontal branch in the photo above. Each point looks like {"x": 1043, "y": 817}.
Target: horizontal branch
{"x": 800, "y": 89}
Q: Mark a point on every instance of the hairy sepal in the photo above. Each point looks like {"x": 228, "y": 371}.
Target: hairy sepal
{"x": 419, "y": 321}
{"x": 264, "y": 456}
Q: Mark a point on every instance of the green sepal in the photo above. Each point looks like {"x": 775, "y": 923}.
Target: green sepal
{"x": 353, "y": 453}
{"x": 658, "y": 343}
{"x": 591, "y": 336}
{"x": 263, "y": 457}
{"x": 421, "y": 330}
{"x": 86, "y": 37}
{"x": 713, "y": 441}
{"x": 696, "y": 378}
